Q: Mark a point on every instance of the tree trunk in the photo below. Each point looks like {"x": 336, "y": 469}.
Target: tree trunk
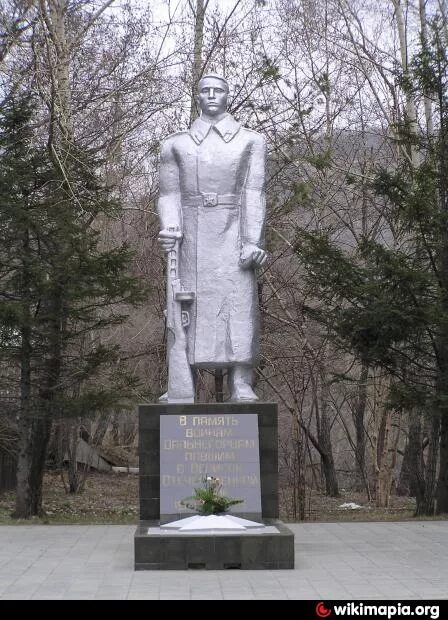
{"x": 424, "y": 40}
{"x": 41, "y": 437}
{"x": 35, "y": 433}
{"x": 404, "y": 486}
{"x": 442, "y": 489}
{"x": 331, "y": 481}
{"x": 197, "y": 57}
{"x": 101, "y": 429}
{"x": 219, "y": 385}
{"x": 41, "y": 430}
{"x": 292, "y": 469}
{"x": 358, "y": 420}
{"x": 417, "y": 482}
{"x": 383, "y": 469}
{"x": 25, "y": 424}
{"x": 28, "y": 493}
{"x": 24, "y": 494}
{"x": 428, "y": 501}
{"x": 411, "y": 113}
{"x": 382, "y": 491}
{"x": 55, "y": 453}
{"x": 35, "y": 427}
{"x": 33, "y": 441}
{"x": 36, "y": 430}
{"x": 412, "y": 478}
{"x": 299, "y": 473}
{"x": 324, "y": 439}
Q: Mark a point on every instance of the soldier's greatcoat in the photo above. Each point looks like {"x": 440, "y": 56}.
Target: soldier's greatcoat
{"x": 212, "y": 187}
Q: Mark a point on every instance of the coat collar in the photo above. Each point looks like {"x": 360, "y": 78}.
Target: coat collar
{"x": 227, "y": 128}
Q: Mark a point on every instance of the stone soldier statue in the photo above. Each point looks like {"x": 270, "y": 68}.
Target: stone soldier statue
{"x": 212, "y": 203}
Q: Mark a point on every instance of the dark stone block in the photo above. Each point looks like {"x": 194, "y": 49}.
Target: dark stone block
{"x": 174, "y": 551}
{"x": 149, "y": 486}
{"x": 148, "y": 420}
{"x": 148, "y": 550}
{"x": 228, "y": 549}
{"x": 150, "y": 441}
{"x": 268, "y": 440}
{"x": 171, "y": 552}
{"x": 173, "y": 565}
{"x": 150, "y": 466}
{"x": 266, "y": 420}
{"x": 269, "y": 461}
{"x": 252, "y": 550}
{"x": 270, "y": 506}
{"x": 146, "y": 454}
{"x": 198, "y": 549}
{"x": 149, "y": 508}
{"x": 168, "y": 551}
{"x": 269, "y": 484}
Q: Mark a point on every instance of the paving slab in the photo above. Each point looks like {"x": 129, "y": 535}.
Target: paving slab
{"x": 400, "y": 560}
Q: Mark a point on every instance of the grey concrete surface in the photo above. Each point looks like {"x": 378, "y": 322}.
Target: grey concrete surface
{"x": 406, "y": 560}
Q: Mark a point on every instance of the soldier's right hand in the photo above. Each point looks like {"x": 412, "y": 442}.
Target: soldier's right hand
{"x": 167, "y": 238}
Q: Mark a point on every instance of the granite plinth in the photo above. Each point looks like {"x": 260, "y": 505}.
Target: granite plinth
{"x": 159, "y": 549}
{"x": 149, "y": 453}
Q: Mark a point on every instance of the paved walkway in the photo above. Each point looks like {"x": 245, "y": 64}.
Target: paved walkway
{"x": 333, "y": 561}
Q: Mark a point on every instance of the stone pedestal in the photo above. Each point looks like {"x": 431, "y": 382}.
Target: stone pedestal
{"x": 156, "y": 548}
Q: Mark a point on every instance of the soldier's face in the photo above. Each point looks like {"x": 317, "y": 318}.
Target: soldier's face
{"x": 212, "y": 97}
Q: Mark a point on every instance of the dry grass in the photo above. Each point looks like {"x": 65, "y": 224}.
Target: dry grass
{"x": 322, "y": 508}
{"x": 106, "y": 498}
{"x": 113, "y": 498}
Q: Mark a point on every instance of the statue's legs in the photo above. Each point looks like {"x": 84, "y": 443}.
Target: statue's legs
{"x": 240, "y": 383}
{"x": 240, "y": 379}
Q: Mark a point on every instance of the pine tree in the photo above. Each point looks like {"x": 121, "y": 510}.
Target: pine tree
{"x": 58, "y": 286}
{"x": 389, "y": 305}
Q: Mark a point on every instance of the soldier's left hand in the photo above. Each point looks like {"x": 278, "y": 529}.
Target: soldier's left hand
{"x": 167, "y": 238}
{"x": 252, "y": 255}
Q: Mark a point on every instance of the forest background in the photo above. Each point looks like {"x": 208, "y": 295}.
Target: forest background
{"x": 352, "y": 98}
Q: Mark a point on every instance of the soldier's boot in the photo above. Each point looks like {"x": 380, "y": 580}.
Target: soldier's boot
{"x": 240, "y": 383}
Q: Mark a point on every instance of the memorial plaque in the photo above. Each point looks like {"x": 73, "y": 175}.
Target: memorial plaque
{"x": 223, "y": 446}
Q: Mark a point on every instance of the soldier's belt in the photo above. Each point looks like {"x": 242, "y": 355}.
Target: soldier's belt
{"x": 210, "y": 200}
